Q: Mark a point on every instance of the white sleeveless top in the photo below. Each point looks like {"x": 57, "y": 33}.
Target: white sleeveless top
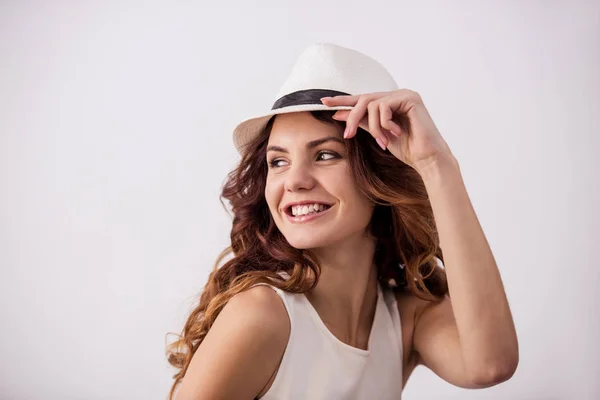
{"x": 318, "y": 366}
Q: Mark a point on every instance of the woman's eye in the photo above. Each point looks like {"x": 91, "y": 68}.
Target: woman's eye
{"x": 275, "y": 163}
{"x": 326, "y": 155}
{"x": 321, "y": 156}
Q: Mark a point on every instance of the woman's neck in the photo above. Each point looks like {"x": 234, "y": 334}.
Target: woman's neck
{"x": 346, "y": 294}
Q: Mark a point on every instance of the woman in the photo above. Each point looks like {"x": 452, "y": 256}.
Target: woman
{"x": 345, "y": 202}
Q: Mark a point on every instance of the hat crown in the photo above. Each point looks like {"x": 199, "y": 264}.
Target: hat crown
{"x": 333, "y": 67}
{"x": 322, "y": 69}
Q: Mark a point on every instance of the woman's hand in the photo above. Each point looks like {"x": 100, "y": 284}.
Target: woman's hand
{"x": 398, "y": 120}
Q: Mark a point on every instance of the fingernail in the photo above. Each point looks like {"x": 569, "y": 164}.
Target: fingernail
{"x": 380, "y": 143}
{"x": 346, "y": 132}
{"x": 324, "y": 98}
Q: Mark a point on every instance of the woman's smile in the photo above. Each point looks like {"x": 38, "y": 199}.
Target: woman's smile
{"x": 306, "y": 213}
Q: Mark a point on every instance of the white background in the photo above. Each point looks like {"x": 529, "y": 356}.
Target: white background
{"x": 115, "y": 138}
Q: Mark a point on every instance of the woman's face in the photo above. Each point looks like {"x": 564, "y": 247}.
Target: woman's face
{"x": 310, "y": 188}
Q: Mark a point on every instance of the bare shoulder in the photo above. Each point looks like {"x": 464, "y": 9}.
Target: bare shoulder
{"x": 407, "y": 300}
{"x": 260, "y": 304}
{"x": 242, "y": 349}
{"x": 410, "y": 308}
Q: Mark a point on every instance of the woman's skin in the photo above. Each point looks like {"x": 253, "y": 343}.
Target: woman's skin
{"x": 308, "y": 162}
{"x": 469, "y": 342}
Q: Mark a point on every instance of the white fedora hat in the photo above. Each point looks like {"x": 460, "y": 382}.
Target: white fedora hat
{"x": 322, "y": 70}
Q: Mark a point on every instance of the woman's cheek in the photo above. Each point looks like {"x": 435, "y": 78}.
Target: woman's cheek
{"x": 272, "y": 194}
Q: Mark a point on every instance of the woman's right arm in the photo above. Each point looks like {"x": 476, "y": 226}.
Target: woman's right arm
{"x": 242, "y": 349}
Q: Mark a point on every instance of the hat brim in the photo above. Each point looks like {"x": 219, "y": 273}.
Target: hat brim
{"x": 248, "y": 129}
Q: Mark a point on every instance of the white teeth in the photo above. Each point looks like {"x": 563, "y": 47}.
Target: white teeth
{"x": 303, "y": 210}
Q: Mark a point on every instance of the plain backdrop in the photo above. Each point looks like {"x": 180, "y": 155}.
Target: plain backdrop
{"x": 115, "y": 138}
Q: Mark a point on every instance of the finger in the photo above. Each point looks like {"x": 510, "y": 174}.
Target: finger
{"x": 356, "y": 115}
{"x": 375, "y": 125}
{"x": 351, "y": 100}
{"x": 341, "y": 115}
{"x": 342, "y": 100}
{"x": 386, "y": 121}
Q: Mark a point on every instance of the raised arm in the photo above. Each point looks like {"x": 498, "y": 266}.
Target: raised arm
{"x": 242, "y": 349}
{"x": 470, "y": 340}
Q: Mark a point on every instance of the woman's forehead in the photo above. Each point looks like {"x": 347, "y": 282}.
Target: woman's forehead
{"x": 300, "y": 128}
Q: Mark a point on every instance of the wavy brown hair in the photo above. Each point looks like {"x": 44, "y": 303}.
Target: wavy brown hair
{"x": 402, "y": 223}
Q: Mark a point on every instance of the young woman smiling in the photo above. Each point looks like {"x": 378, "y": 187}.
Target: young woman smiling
{"x": 356, "y": 252}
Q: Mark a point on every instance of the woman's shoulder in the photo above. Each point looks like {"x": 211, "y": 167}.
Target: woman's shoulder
{"x": 408, "y": 302}
{"x": 409, "y": 307}
{"x": 248, "y": 338}
{"x": 264, "y": 306}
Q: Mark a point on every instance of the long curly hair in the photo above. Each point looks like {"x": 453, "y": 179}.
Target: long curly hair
{"x": 402, "y": 223}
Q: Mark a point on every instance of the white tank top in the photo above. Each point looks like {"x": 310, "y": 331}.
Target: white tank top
{"x": 318, "y": 366}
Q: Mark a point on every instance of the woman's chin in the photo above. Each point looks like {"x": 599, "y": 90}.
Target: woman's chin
{"x": 306, "y": 243}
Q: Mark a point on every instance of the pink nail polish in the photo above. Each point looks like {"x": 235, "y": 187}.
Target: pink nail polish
{"x": 380, "y": 143}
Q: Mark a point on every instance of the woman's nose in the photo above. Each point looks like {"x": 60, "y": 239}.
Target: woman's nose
{"x": 299, "y": 177}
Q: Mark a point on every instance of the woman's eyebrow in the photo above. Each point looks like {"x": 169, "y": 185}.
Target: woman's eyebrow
{"x": 317, "y": 142}
{"x": 276, "y": 148}
{"x": 309, "y": 145}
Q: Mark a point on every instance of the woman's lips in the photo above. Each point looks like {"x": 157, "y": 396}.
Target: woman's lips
{"x": 306, "y": 218}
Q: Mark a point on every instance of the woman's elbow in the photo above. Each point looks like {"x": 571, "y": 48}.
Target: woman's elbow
{"x": 497, "y": 372}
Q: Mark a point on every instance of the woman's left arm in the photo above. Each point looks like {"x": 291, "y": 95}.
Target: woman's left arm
{"x": 477, "y": 322}
{"x": 469, "y": 338}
